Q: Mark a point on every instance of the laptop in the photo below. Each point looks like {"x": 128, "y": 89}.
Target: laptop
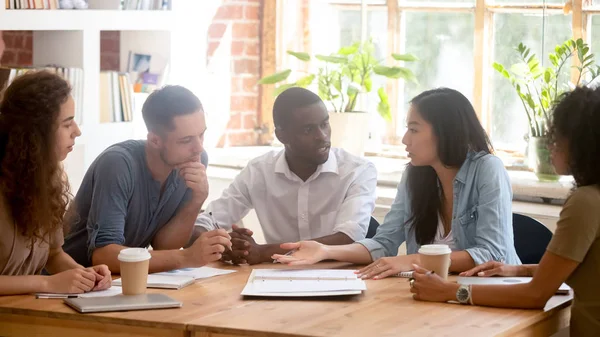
{"x": 562, "y": 290}
{"x": 122, "y": 303}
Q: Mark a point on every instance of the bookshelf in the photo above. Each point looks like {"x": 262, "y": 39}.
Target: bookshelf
{"x": 71, "y": 38}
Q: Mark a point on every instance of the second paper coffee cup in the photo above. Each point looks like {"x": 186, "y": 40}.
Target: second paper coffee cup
{"x": 436, "y": 258}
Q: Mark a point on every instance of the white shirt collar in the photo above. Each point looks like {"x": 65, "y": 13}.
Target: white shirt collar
{"x": 330, "y": 166}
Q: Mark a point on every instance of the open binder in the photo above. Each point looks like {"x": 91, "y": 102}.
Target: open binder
{"x": 303, "y": 283}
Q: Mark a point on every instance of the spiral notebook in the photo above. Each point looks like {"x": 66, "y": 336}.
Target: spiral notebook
{"x": 303, "y": 283}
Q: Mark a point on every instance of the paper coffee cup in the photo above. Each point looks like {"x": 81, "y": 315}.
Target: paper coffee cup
{"x": 436, "y": 258}
{"x": 134, "y": 270}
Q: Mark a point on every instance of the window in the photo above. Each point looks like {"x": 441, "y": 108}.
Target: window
{"x": 508, "y": 122}
{"x": 443, "y": 42}
{"x": 456, "y": 42}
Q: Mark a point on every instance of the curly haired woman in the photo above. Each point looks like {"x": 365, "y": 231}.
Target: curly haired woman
{"x": 37, "y": 131}
{"x": 573, "y": 254}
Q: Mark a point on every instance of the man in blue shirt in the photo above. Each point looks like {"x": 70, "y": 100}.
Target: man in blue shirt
{"x": 139, "y": 193}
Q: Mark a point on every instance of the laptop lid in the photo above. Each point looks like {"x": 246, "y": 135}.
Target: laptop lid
{"x": 122, "y": 303}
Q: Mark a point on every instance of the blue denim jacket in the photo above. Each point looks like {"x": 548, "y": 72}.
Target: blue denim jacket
{"x": 481, "y": 215}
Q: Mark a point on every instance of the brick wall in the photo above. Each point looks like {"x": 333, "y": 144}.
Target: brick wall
{"x": 109, "y": 50}
{"x": 243, "y": 18}
{"x": 18, "y": 48}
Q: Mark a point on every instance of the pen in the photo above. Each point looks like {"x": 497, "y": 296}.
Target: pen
{"x": 216, "y": 224}
{"x": 287, "y": 254}
{"x": 213, "y": 220}
{"x": 56, "y": 296}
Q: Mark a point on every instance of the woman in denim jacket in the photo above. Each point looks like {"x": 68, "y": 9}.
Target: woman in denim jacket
{"x": 453, "y": 191}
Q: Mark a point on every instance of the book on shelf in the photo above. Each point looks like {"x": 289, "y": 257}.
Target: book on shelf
{"x": 146, "y": 4}
{"x": 116, "y": 97}
{"x": 72, "y": 75}
{"x": 32, "y": 4}
{"x": 94, "y": 4}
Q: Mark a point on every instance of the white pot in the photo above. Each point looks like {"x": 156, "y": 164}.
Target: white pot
{"x": 349, "y": 131}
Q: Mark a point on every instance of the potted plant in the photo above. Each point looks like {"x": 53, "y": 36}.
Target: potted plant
{"x": 339, "y": 78}
{"x": 539, "y": 87}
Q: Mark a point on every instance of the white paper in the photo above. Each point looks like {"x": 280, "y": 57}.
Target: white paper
{"x": 305, "y": 286}
{"x": 162, "y": 281}
{"x": 112, "y": 291}
{"x": 197, "y": 273}
{"x": 305, "y": 274}
{"x": 303, "y": 283}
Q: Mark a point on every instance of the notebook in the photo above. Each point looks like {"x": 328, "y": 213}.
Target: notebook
{"x": 122, "y": 303}
{"x": 197, "y": 273}
{"x": 164, "y": 281}
{"x": 112, "y": 291}
{"x": 303, "y": 283}
{"x": 562, "y": 290}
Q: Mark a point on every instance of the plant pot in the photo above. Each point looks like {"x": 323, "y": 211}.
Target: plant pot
{"x": 538, "y": 157}
{"x": 349, "y": 131}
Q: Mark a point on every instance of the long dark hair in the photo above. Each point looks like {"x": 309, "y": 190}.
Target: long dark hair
{"x": 32, "y": 180}
{"x": 458, "y": 131}
{"x": 576, "y": 118}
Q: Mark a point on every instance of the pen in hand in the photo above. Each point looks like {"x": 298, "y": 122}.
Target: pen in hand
{"x": 217, "y": 227}
{"x": 287, "y": 254}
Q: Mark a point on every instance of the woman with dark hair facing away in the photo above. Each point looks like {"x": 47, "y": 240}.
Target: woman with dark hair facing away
{"x": 37, "y": 131}
{"x": 453, "y": 192}
{"x": 573, "y": 254}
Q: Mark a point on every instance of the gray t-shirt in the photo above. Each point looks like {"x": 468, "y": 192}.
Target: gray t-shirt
{"x": 119, "y": 202}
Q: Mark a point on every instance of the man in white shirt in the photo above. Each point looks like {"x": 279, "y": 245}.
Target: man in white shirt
{"x": 306, "y": 192}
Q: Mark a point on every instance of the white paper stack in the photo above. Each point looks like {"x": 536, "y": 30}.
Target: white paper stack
{"x": 303, "y": 283}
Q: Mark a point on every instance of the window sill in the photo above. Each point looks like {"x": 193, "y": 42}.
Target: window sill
{"x": 525, "y": 185}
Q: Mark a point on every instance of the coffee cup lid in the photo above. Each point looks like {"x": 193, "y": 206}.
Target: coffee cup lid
{"x": 134, "y": 255}
{"x": 435, "y": 250}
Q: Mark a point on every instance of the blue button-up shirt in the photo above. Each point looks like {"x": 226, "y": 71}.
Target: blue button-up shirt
{"x": 481, "y": 215}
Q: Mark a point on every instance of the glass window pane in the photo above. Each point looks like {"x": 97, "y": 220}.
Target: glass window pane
{"x": 333, "y": 27}
{"x": 443, "y": 42}
{"x": 595, "y": 37}
{"x": 509, "y": 123}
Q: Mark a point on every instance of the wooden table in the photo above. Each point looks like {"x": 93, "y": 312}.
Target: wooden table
{"x": 213, "y": 307}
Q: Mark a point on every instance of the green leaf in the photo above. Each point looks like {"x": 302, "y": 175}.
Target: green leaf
{"x": 547, "y": 75}
{"x": 353, "y": 89}
{"x": 405, "y": 57}
{"x": 384, "y": 106}
{"x": 349, "y": 50}
{"x": 305, "y": 81}
{"x": 530, "y": 101}
{"x": 499, "y": 67}
{"x": 395, "y": 72}
{"x": 283, "y": 88}
{"x": 275, "y": 78}
{"x": 553, "y": 59}
{"x": 520, "y": 69}
{"x": 368, "y": 84}
{"x": 299, "y": 55}
{"x": 332, "y": 59}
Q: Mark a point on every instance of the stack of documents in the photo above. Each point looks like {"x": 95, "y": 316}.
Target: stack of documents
{"x": 303, "y": 283}
{"x": 179, "y": 278}
{"x": 112, "y": 291}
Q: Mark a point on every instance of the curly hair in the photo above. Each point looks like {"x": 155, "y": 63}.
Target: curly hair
{"x": 576, "y": 119}
{"x": 32, "y": 180}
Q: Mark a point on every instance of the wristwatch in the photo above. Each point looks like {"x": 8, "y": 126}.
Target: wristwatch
{"x": 463, "y": 294}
